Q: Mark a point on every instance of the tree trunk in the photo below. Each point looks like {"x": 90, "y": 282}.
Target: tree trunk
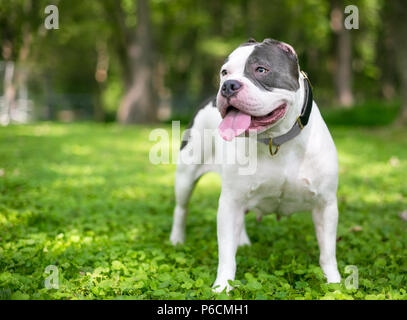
{"x": 16, "y": 73}
{"x": 398, "y": 25}
{"x": 402, "y": 119}
{"x": 343, "y": 55}
{"x": 386, "y": 49}
{"x": 139, "y": 104}
{"x": 9, "y": 87}
{"x": 402, "y": 63}
{"x": 9, "y": 92}
{"x": 22, "y": 72}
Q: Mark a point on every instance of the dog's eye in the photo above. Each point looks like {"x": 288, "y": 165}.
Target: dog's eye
{"x": 261, "y": 70}
{"x": 224, "y": 72}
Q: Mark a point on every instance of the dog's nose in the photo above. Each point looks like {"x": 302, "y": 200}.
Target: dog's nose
{"x": 231, "y": 87}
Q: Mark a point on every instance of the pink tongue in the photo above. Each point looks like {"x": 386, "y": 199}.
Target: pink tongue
{"x": 235, "y": 122}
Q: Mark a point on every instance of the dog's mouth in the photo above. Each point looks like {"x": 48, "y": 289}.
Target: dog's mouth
{"x": 237, "y": 122}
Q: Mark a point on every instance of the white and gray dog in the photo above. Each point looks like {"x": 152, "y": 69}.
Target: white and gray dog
{"x": 263, "y": 90}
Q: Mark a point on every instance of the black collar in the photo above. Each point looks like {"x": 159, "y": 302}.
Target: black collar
{"x": 299, "y": 124}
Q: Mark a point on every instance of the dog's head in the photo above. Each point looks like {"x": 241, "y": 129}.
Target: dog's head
{"x": 258, "y": 86}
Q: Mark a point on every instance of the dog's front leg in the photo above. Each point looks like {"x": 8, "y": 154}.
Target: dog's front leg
{"x": 325, "y": 220}
{"x": 230, "y": 221}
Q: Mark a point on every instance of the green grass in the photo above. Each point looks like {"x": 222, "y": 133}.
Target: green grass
{"x": 85, "y": 198}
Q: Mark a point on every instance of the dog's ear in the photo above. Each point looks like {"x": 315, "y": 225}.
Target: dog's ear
{"x": 249, "y": 42}
{"x": 283, "y": 46}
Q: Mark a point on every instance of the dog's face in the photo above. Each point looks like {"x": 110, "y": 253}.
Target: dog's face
{"x": 258, "y": 82}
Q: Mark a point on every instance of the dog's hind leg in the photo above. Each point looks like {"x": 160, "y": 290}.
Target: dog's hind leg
{"x": 185, "y": 180}
{"x": 244, "y": 238}
{"x": 195, "y": 159}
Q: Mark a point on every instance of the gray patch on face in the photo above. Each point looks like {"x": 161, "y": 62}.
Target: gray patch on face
{"x": 281, "y": 62}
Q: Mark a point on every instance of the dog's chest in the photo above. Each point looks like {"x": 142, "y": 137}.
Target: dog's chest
{"x": 281, "y": 188}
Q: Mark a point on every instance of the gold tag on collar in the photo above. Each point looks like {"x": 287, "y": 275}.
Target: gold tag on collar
{"x": 273, "y": 153}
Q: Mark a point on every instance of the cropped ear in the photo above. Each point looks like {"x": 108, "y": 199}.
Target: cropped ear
{"x": 249, "y": 42}
{"x": 283, "y": 46}
{"x": 286, "y": 47}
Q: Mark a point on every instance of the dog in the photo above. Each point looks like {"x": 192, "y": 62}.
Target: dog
{"x": 262, "y": 93}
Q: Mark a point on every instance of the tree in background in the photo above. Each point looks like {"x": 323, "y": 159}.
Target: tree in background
{"x": 72, "y": 65}
{"x": 120, "y": 59}
{"x": 343, "y": 55}
{"x": 398, "y": 27}
{"x": 17, "y": 22}
{"x": 135, "y": 51}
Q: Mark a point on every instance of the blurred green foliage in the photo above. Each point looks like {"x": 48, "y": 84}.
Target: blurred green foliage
{"x": 191, "y": 40}
{"x": 368, "y": 114}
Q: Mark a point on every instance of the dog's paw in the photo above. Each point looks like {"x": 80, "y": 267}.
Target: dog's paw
{"x": 219, "y": 287}
{"x": 335, "y": 278}
{"x": 332, "y": 275}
